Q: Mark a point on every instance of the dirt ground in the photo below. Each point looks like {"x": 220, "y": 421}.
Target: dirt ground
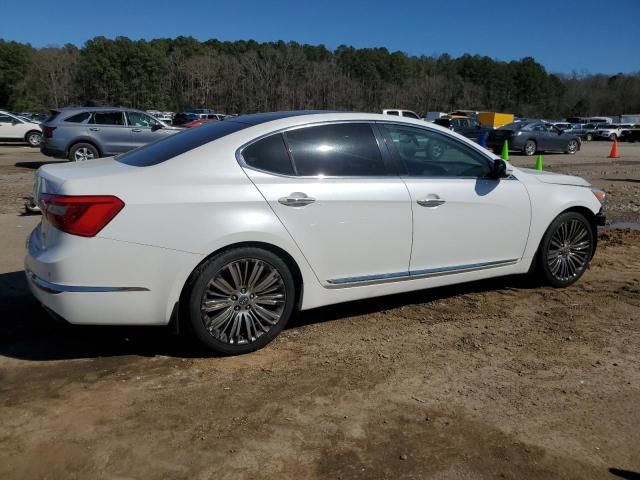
{"x": 494, "y": 379}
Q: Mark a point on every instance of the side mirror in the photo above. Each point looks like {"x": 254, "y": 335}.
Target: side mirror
{"x": 156, "y": 126}
{"x": 14, "y": 122}
{"x": 500, "y": 169}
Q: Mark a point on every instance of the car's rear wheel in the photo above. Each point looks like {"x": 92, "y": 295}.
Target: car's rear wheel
{"x": 612, "y": 137}
{"x": 81, "y": 152}
{"x": 34, "y": 138}
{"x": 572, "y": 147}
{"x": 566, "y": 250}
{"x": 530, "y": 148}
{"x": 240, "y": 300}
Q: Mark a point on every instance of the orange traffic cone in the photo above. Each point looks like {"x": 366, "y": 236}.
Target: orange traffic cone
{"x": 614, "y": 149}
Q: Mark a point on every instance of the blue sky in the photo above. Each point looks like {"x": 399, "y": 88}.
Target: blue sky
{"x": 563, "y": 35}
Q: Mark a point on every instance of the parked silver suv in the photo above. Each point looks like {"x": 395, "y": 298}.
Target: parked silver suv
{"x": 85, "y": 133}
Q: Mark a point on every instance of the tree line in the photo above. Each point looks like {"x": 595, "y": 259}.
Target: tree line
{"x": 247, "y": 76}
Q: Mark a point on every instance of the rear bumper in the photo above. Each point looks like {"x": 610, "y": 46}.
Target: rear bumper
{"x": 50, "y": 151}
{"x": 99, "y": 281}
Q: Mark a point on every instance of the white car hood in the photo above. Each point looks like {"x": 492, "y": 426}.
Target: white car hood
{"x": 555, "y": 178}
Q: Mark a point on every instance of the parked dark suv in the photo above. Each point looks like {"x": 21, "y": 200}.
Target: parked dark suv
{"x": 468, "y": 127}
{"x": 86, "y": 133}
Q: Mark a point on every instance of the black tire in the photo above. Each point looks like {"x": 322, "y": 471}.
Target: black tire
{"x": 549, "y": 246}
{"x": 33, "y": 138}
{"x": 222, "y": 340}
{"x": 83, "y": 151}
{"x": 572, "y": 147}
{"x": 612, "y": 137}
{"x": 530, "y": 148}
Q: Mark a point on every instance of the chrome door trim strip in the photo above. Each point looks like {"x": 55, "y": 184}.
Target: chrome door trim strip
{"x": 415, "y": 274}
{"x": 56, "y": 288}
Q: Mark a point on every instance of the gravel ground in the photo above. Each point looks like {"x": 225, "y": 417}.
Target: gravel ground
{"x": 493, "y": 379}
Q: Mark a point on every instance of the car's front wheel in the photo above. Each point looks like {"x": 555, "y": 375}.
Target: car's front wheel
{"x": 566, "y": 250}
{"x": 572, "y": 147}
{"x": 530, "y": 148}
{"x": 240, "y": 300}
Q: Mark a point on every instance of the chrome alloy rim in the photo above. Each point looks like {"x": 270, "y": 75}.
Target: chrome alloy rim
{"x": 34, "y": 139}
{"x": 530, "y": 148}
{"x": 568, "y": 250}
{"x": 243, "y": 301}
{"x": 83, "y": 154}
{"x": 573, "y": 146}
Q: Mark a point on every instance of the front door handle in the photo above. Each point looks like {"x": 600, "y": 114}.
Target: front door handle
{"x": 136, "y": 130}
{"x": 296, "y": 199}
{"x": 94, "y": 129}
{"x": 431, "y": 201}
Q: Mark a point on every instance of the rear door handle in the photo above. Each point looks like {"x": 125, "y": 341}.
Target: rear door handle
{"x": 431, "y": 201}
{"x": 136, "y": 130}
{"x": 296, "y": 199}
{"x": 94, "y": 129}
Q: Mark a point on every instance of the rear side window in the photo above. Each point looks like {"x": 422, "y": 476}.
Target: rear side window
{"x": 108, "y": 118}
{"x": 78, "y": 118}
{"x": 393, "y": 112}
{"x": 410, "y": 115}
{"x": 269, "y": 154}
{"x": 174, "y": 145}
{"x": 339, "y": 150}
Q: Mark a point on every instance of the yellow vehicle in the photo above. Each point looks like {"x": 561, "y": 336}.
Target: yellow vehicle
{"x": 494, "y": 119}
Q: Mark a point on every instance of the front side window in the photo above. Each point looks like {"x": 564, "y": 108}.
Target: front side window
{"x": 338, "y": 150}
{"x": 269, "y": 154}
{"x": 107, "y": 118}
{"x": 410, "y": 115}
{"x": 139, "y": 119}
{"x": 431, "y": 154}
{"x": 6, "y": 119}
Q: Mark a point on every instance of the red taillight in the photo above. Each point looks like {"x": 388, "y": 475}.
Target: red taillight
{"x": 80, "y": 215}
{"x": 48, "y": 132}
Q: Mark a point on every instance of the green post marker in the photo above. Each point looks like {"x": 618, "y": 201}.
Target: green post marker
{"x": 539, "y": 162}
{"x": 505, "y": 151}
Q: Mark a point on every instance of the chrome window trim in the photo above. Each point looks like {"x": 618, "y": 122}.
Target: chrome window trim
{"x": 415, "y": 274}
{"x": 56, "y": 288}
{"x": 243, "y": 164}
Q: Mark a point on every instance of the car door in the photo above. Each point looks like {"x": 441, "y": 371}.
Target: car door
{"x": 462, "y": 218}
{"x": 541, "y": 136}
{"x": 558, "y": 140}
{"x": 332, "y": 189}
{"x": 109, "y": 131}
{"x": 144, "y": 129}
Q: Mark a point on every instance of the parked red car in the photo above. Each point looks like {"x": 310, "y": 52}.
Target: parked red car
{"x": 200, "y": 121}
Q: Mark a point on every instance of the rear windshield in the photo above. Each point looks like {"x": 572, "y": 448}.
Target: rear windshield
{"x": 179, "y": 143}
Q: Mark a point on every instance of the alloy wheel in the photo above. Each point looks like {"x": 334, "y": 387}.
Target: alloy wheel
{"x": 82, "y": 154}
{"x": 243, "y": 301}
{"x": 569, "y": 250}
{"x": 34, "y": 139}
{"x": 573, "y": 147}
{"x": 530, "y": 148}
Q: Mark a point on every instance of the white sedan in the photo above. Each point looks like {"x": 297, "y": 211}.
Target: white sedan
{"x": 228, "y": 228}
